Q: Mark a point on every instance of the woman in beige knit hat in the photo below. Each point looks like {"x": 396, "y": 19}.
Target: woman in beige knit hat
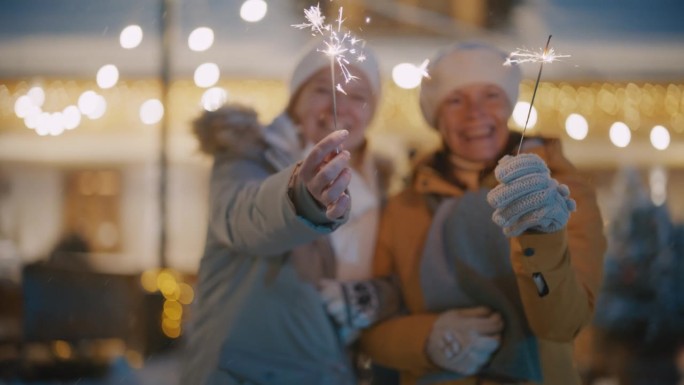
{"x": 284, "y": 281}
{"x": 498, "y": 255}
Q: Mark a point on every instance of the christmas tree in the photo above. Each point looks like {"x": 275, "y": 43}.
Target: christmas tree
{"x": 641, "y": 299}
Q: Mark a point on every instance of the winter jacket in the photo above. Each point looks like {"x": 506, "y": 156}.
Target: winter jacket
{"x": 259, "y": 318}
{"x": 570, "y": 260}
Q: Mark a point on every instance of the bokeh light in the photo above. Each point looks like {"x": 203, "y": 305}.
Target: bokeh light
{"x": 107, "y": 76}
{"x": 201, "y": 39}
{"x": 131, "y": 36}
{"x": 214, "y": 98}
{"x": 620, "y": 134}
{"x": 37, "y": 96}
{"x": 520, "y": 115}
{"x": 151, "y": 112}
{"x": 576, "y": 126}
{"x": 206, "y": 75}
{"x": 660, "y": 137}
{"x": 253, "y": 10}
{"x": 407, "y": 75}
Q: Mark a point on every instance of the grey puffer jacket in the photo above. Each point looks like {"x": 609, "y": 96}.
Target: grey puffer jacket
{"x": 257, "y": 319}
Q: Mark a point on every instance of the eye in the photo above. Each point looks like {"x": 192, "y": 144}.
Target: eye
{"x": 455, "y": 100}
{"x": 322, "y": 90}
{"x": 493, "y": 94}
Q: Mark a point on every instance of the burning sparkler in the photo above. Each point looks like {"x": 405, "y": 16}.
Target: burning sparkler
{"x": 338, "y": 44}
{"x": 548, "y": 55}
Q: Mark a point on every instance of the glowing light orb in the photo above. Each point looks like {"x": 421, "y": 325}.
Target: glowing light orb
{"x": 253, "y": 10}
{"x": 576, "y": 126}
{"x": 131, "y": 36}
{"x": 201, "y": 39}
{"x": 620, "y": 134}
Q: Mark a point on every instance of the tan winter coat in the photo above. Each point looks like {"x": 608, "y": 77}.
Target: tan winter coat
{"x": 571, "y": 261}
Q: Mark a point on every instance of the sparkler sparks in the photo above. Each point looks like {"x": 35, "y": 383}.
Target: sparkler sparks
{"x": 521, "y": 56}
{"x": 338, "y": 44}
{"x": 547, "y": 55}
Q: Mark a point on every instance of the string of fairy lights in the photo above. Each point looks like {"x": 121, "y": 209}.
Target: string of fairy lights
{"x": 631, "y": 101}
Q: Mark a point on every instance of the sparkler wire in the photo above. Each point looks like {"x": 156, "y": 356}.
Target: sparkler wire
{"x": 534, "y": 94}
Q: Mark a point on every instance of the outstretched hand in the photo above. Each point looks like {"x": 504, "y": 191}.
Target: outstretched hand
{"x": 326, "y": 175}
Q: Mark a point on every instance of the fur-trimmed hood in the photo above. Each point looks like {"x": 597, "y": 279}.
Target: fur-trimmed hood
{"x": 235, "y": 131}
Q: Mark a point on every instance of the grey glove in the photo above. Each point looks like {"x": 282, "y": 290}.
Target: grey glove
{"x": 352, "y": 304}
{"x": 528, "y": 198}
{"x": 464, "y": 340}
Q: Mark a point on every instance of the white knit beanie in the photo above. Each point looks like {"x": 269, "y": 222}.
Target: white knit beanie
{"x": 314, "y": 59}
{"x": 464, "y": 64}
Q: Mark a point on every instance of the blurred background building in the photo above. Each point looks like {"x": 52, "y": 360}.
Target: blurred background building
{"x": 97, "y": 96}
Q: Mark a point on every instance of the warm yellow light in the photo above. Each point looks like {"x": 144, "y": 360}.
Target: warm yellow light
{"x": 148, "y": 280}
{"x": 173, "y": 310}
{"x": 171, "y": 328}
{"x": 187, "y": 294}
{"x": 62, "y": 349}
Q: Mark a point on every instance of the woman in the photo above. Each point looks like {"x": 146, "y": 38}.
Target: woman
{"x": 273, "y": 240}
{"x": 496, "y": 280}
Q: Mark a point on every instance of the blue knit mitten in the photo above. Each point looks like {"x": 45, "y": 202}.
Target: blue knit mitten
{"x": 527, "y": 198}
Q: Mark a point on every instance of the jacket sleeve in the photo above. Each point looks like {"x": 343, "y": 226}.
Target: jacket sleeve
{"x": 252, "y": 212}
{"x": 398, "y": 342}
{"x": 568, "y": 263}
{"x": 556, "y": 305}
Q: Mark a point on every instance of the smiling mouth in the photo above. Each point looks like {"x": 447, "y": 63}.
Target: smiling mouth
{"x": 478, "y": 133}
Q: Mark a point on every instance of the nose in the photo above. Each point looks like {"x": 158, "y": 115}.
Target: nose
{"x": 475, "y": 108}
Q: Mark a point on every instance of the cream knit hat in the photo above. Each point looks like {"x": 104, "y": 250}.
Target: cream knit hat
{"x": 464, "y": 64}
{"x": 314, "y": 60}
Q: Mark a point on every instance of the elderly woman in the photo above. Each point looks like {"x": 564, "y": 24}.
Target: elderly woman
{"x": 282, "y": 285}
{"x": 497, "y": 271}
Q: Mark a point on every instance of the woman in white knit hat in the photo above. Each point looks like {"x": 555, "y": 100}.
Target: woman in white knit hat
{"x": 282, "y": 286}
{"x": 498, "y": 255}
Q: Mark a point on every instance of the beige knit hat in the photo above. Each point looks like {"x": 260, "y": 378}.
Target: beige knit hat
{"x": 314, "y": 60}
{"x": 464, "y": 64}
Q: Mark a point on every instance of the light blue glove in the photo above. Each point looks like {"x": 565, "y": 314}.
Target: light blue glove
{"x": 353, "y": 305}
{"x": 527, "y": 198}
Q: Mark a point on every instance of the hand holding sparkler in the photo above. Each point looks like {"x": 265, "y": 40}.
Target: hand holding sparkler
{"x": 527, "y": 197}
{"x": 325, "y": 174}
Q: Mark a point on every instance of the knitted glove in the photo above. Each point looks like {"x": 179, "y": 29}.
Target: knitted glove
{"x": 527, "y": 198}
{"x": 457, "y": 341}
{"x": 352, "y": 304}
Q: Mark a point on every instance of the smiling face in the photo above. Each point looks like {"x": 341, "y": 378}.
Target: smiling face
{"x": 312, "y": 108}
{"x": 473, "y": 121}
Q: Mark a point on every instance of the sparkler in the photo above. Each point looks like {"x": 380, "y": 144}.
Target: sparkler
{"x": 338, "y": 44}
{"x": 548, "y": 55}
